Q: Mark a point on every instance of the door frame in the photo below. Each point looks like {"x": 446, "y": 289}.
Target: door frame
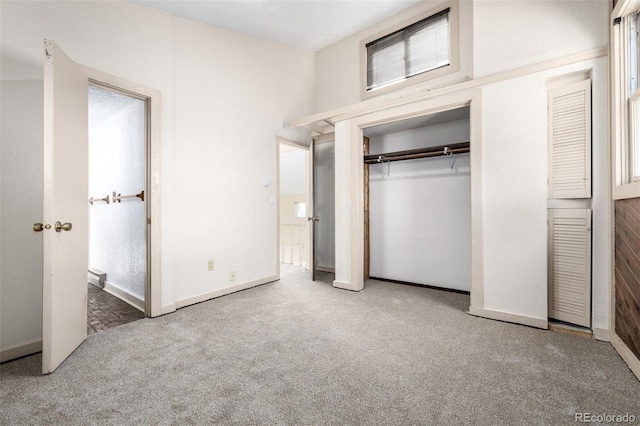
{"x": 350, "y": 193}
{"x": 153, "y": 275}
{"x": 306, "y": 147}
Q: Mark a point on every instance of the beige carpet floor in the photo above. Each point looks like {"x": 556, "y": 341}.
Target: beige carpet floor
{"x": 299, "y": 352}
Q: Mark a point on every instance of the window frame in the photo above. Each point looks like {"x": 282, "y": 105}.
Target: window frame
{"x": 634, "y": 138}
{"x": 625, "y": 180}
{"x": 454, "y": 52}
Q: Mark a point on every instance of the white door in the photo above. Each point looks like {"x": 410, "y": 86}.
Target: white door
{"x": 65, "y": 207}
{"x": 570, "y": 265}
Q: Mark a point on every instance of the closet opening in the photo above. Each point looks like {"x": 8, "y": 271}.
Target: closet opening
{"x": 417, "y": 206}
{"x": 118, "y": 277}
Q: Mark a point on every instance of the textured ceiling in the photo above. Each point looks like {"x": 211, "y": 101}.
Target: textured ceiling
{"x": 309, "y": 24}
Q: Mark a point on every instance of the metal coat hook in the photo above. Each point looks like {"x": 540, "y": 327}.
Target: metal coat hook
{"x": 381, "y": 160}
{"x": 451, "y": 157}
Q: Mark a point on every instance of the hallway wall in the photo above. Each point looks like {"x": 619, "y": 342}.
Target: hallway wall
{"x": 21, "y": 188}
{"x": 117, "y": 237}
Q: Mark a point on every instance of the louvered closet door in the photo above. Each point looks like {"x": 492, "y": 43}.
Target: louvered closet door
{"x": 570, "y": 141}
{"x": 570, "y": 265}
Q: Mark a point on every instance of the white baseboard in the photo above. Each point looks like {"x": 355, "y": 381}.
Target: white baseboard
{"x": 601, "y": 334}
{"x": 164, "y": 310}
{"x": 223, "y": 292}
{"x": 508, "y": 317}
{"x": 330, "y": 269}
{"x": 124, "y": 296}
{"x": 345, "y": 286}
{"x": 18, "y": 351}
{"x": 626, "y": 354}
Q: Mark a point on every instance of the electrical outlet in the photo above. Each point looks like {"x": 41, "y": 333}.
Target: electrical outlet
{"x": 210, "y": 265}
{"x": 232, "y": 276}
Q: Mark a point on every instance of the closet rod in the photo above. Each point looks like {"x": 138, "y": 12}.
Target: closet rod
{"x": 413, "y": 154}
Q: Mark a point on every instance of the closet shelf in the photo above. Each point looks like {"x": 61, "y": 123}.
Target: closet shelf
{"x": 414, "y": 154}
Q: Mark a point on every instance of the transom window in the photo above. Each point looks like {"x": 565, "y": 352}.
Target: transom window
{"x": 413, "y": 50}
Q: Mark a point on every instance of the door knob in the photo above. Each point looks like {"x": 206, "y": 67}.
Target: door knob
{"x": 63, "y": 226}
{"x": 38, "y": 227}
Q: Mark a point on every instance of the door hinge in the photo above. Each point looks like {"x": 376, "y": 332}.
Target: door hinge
{"x": 148, "y": 221}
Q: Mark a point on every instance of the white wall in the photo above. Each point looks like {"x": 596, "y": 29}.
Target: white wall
{"x": 506, "y": 36}
{"x": 232, "y": 95}
{"x": 495, "y": 36}
{"x": 21, "y": 180}
{"x": 420, "y": 215}
{"x": 224, "y": 97}
{"x": 514, "y": 207}
{"x": 338, "y": 65}
{"x": 117, "y": 163}
{"x": 509, "y": 34}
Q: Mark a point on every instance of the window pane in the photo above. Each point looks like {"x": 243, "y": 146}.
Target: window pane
{"x": 386, "y": 62}
{"x": 417, "y": 48}
{"x": 633, "y": 54}
{"x": 428, "y": 48}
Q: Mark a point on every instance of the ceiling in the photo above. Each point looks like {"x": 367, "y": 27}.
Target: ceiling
{"x": 308, "y": 24}
{"x": 417, "y": 122}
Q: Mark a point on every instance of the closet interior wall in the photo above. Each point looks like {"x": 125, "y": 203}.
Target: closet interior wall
{"x": 420, "y": 210}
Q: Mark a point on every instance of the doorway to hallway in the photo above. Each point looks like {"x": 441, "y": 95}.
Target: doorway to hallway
{"x": 118, "y": 260}
{"x": 295, "y": 205}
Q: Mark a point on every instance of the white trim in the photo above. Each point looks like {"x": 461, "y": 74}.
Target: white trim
{"x": 345, "y": 286}
{"x": 21, "y": 350}
{"x": 424, "y": 91}
{"x": 123, "y": 295}
{"x": 154, "y": 245}
{"x": 330, "y": 269}
{"x": 626, "y": 354}
{"x": 625, "y": 7}
{"x": 224, "y": 291}
{"x": 279, "y": 140}
{"x": 290, "y": 142}
{"x": 601, "y": 334}
{"x": 508, "y": 317}
{"x": 576, "y": 203}
{"x": 350, "y": 186}
{"x": 628, "y": 190}
{"x": 167, "y": 309}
